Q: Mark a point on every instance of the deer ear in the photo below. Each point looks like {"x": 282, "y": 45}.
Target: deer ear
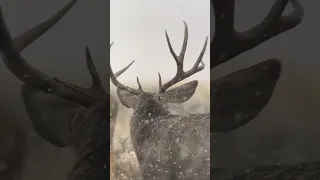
{"x": 180, "y": 94}
{"x": 237, "y": 98}
{"x": 126, "y": 99}
{"x": 48, "y": 114}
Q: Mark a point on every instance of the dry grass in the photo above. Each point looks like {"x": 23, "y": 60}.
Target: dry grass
{"x": 127, "y": 165}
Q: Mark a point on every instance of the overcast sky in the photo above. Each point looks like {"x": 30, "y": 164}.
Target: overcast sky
{"x": 137, "y": 29}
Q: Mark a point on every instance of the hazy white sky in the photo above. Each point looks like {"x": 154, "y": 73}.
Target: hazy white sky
{"x": 138, "y": 32}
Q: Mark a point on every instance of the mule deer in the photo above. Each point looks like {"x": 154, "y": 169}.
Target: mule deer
{"x": 64, "y": 114}
{"x": 13, "y": 145}
{"x": 240, "y": 96}
{"x": 168, "y": 146}
{"x": 236, "y": 98}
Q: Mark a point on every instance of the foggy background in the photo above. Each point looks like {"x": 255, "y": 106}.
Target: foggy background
{"x": 287, "y": 130}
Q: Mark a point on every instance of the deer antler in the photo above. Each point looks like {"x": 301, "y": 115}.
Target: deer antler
{"x": 96, "y": 79}
{"x": 25, "y": 39}
{"x": 181, "y": 74}
{"x": 10, "y": 49}
{"x": 121, "y": 86}
{"x": 228, "y": 43}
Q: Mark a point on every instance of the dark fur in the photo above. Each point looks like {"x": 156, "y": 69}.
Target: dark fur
{"x": 158, "y": 137}
{"x": 69, "y": 124}
{"x": 166, "y": 138}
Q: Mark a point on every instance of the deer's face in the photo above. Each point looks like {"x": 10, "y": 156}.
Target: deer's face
{"x": 179, "y": 94}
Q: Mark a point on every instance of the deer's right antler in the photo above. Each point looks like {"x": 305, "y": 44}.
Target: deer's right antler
{"x": 181, "y": 74}
{"x": 22, "y": 41}
{"x": 118, "y": 84}
{"x": 227, "y": 43}
{"x": 10, "y": 50}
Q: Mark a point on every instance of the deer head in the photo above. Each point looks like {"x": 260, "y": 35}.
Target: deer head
{"x": 154, "y": 129}
{"x": 12, "y": 134}
{"x": 40, "y": 89}
{"x": 240, "y": 96}
{"x": 62, "y": 113}
{"x": 138, "y": 98}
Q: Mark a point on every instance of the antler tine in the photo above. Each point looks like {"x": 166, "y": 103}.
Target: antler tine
{"x": 22, "y": 41}
{"x": 117, "y": 74}
{"x": 179, "y": 59}
{"x": 121, "y": 86}
{"x": 227, "y": 43}
{"x": 31, "y": 76}
{"x": 96, "y": 79}
{"x": 160, "y": 81}
{"x": 140, "y": 87}
{"x": 181, "y": 74}
{"x": 118, "y": 84}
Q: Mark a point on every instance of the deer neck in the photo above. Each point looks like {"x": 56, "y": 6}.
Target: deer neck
{"x": 91, "y": 154}
{"x": 144, "y": 115}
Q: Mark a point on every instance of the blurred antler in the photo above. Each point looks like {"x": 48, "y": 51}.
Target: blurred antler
{"x": 17, "y": 64}
{"x": 22, "y": 41}
{"x": 228, "y": 43}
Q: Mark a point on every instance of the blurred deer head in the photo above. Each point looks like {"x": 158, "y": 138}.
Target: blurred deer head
{"x": 13, "y": 147}
{"x": 62, "y": 113}
{"x": 240, "y": 96}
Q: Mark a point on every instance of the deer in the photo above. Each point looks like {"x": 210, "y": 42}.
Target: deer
{"x": 13, "y": 137}
{"x": 64, "y": 114}
{"x": 246, "y": 89}
{"x": 244, "y": 93}
{"x": 168, "y": 146}
{"x": 236, "y": 98}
